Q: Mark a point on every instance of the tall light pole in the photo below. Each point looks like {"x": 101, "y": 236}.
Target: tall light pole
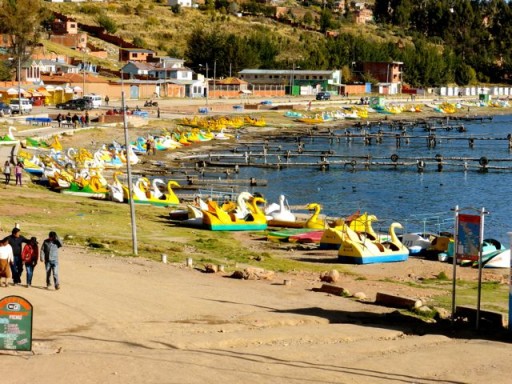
{"x": 20, "y": 110}
{"x": 214, "y": 74}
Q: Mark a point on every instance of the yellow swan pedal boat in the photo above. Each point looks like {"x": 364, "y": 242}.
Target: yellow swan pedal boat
{"x": 357, "y": 249}
{"x": 216, "y": 219}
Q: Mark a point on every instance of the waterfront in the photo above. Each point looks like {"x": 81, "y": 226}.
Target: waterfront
{"x": 396, "y": 194}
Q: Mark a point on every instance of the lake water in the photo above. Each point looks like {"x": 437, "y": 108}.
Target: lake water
{"x": 398, "y": 194}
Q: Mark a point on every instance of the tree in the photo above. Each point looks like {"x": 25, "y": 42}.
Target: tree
{"x": 308, "y": 18}
{"x": 21, "y": 21}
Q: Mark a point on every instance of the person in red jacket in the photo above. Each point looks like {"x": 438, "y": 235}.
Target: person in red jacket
{"x": 29, "y": 256}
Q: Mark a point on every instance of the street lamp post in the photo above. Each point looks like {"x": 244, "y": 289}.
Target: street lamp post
{"x": 292, "y": 78}
{"x": 20, "y": 110}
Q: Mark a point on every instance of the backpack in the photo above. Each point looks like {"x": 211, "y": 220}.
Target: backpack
{"x": 28, "y": 253}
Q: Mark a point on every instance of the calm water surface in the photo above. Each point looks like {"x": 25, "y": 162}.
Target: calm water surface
{"x": 398, "y": 194}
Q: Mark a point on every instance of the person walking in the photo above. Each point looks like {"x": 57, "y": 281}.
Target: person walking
{"x": 6, "y": 260}
{"x": 75, "y": 119}
{"x": 7, "y": 172}
{"x": 59, "y": 119}
{"x": 106, "y": 100}
{"x": 29, "y": 256}
{"x": 15, "y": 240}
{"x": 50, "y": 257}
{"x": 87, "y": 119}
{"x": 18, "y": 170}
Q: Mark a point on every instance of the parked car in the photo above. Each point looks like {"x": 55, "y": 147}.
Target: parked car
{"x": 5, "y": 110}
{"x": 26, "y": 105}
{"x": 323, "y": 96}
{"x": 78, "y": 104}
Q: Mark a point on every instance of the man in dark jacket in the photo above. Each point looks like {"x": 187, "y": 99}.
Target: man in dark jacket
{"x": 16, "y": 241}
{"x": 50, "y": 256}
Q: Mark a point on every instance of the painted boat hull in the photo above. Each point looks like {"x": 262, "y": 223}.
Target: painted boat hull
{"x": 306, "y": 238}
{"x": 94, "y": 195}
{"x": 156, "y": 203}
{"x": 372, "y": 259}
{"x": 285, "y": 234}
{"x": 286, "y": 224}
{"x": 237, "y": 227}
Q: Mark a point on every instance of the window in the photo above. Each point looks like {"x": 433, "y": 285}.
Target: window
{"x": 134, "y": 55}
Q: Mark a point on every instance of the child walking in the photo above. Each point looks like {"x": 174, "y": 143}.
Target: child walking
{"x": 30, "y": 255}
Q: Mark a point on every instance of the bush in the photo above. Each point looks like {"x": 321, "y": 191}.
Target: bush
{"x": 107, "y": 23}
{"x": 90, "y": 9}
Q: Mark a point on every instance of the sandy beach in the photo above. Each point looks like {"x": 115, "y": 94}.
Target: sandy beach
{"x": 136, "y": 320}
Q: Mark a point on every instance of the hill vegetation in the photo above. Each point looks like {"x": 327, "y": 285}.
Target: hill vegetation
{"x": 439, "y": 41}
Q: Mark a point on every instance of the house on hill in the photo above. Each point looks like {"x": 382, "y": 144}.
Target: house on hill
{"x": 136, "y": 54}
{"x": 182, "y": 3}
{"x": 65, "y": 32}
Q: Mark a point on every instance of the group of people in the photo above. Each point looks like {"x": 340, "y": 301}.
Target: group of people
{"x": 13, "y": 256}
{"x": 74, "y": 120}
{"x": 18, "y": 170}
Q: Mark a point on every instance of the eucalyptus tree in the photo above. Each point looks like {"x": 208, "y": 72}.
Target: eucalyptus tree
{"x": 21, "y": 21}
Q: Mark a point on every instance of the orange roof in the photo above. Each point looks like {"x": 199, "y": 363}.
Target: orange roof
{"x": 231, "y": 81}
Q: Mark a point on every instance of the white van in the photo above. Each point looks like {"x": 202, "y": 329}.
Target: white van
{"x": 26, "y": 105}
{"x": 96, "y": 100}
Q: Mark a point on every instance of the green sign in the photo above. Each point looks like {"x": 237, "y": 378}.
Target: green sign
{"x": 15, "y": 324}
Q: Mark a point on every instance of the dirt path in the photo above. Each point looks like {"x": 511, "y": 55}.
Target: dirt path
{"x": 133, "y": 321}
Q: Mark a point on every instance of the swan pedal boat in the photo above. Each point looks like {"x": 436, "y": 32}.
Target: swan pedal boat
{"x": 217, "y": 219}
{"x": 357, "y": 249}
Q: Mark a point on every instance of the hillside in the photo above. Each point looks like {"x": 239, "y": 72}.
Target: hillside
{"x": 155, "y": 26}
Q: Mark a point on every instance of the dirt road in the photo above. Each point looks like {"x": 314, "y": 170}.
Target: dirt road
{"x": 133, "y": 321}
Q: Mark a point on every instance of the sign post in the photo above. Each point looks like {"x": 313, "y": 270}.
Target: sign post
{"x": 15, "y": 324}
{"x": 510, "y": 287}
{"x": 469, "y": 235}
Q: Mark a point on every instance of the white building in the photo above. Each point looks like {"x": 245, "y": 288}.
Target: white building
{"x": 183, "y": 3}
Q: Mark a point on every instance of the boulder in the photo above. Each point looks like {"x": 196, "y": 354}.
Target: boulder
{"x": 331, "y": 276}
{"x": 211, "y": 268}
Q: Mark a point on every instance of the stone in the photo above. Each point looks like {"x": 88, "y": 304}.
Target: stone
{"x": 424, "y": 309}
{"x": 360, "y": 296}
{"x": 331, "y": 276}
{"x": 238, "y": 275}
{"x": 210, "y": 268}
{"x": 387, "y": 300}
{"x": 332, "y": 289}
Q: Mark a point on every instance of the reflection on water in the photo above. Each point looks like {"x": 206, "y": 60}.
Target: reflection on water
{"x": 397, "y": 194}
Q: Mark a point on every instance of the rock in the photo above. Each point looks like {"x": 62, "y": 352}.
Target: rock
{"x": 442, "y": 313}
{"x": 253, "y": 273}
{"x": 418, "y": 304}
{"x": 210, "y": 268}
{"x": 237, "y": 275}
{"x": 332, "y": 289}
{"x": 360, "y": 296}
{"x": 424, "y": 309}
{"x": 393, "y": 301}
{"x": 331, "y": 276}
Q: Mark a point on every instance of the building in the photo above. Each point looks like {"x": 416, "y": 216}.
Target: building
{"x": 137, "y": 70}
{"x": 136, "y": 54}
{"x": 363, "y": 16}
{"x": 387, "y": 74}
{"x": 182, "y": 3}
{"x": 296, "y": 81}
